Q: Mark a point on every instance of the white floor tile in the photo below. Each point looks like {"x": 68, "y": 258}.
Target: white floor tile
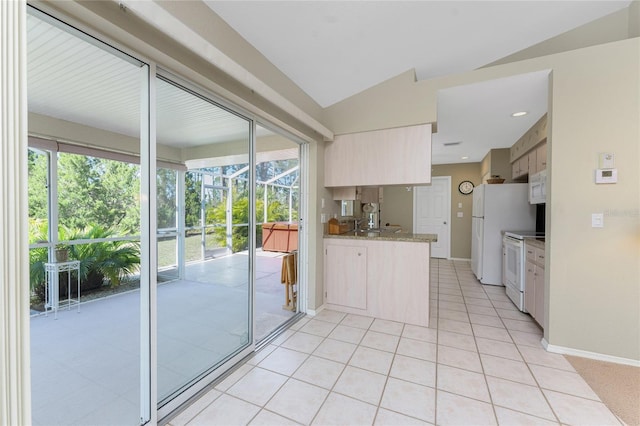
{"x": 510, "y": 417}
{"x": 420, "y": 333}
{"x": 563, "y": 381}
{"x": 267, "y": 418}
{"x": 455, "y": 326}
{"x": 330, "y": 316}
{"x": 496, "y": 348}
{"x": 489, "y": 320}
{"x": 235, "y": 376}
{"x": 389, "y": 327}
{"x": 361, "y": 384}
{"x": 226, "y": 410}
{"x": 302, "y": 342}
{"x": 459, "y": 358}
{"x": 516, "y": 371}
{"x": 579, "y": 411}
{"x": 372, "y": 360}
{"x": 409, "y": 399}
{"x": 519, "y": 397}
{"x": 522, "y": 325}
{"x": 485, "y": 303}
{"x": 482, "y": 310}
{"x": 357, "y": 321}
{"x": 458, "y": 410}
{"x": 340, "y": 410}
{"x": 257, "y": 386}
{"x": 283, "y": 361}
{"x": 381, "y": 341}
{"x": 493, "y": 333}
{"x": 318, "y": 328}
{"x": 319, "y": 371}
{"x": 452, "y": 306}
{"x": 527, "y": 339}
{"x": 414, "y": 370}
{"x": 335, "y": 350}
{"x": 417, "y": 349}
{"x": 391, "y": 418}
{"x": 463, "y": 382}
{"x": 298, "y": 401}
{"x": 539, "y": 356}
{"x": 347, "y": 334}
{"x": 457, "y": 340}
{"x": 453, "y": 315}
{"x": 194, "y": 409}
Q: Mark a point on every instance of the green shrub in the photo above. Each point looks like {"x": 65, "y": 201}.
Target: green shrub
{"x": 101, "y": 263}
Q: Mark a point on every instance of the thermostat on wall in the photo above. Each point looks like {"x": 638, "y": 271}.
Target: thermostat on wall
{"x": 606, "y": 175}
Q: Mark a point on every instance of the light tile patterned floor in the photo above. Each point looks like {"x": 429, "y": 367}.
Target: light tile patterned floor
{"x": 479, "y": 363}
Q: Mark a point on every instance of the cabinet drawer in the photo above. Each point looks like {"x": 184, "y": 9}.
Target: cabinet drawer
{"x": 540, "y": 255}
{"x": 530, "y": 252}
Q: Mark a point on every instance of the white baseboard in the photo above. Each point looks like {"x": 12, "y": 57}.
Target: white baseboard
{"x": 591, "y": 355}
{"x": 314, "y": 312}
{"x": 459, "y": 258}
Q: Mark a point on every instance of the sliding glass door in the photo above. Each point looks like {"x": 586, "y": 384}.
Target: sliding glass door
{"x": 205, "y": 313}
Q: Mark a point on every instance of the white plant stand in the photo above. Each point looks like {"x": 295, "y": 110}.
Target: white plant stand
{"x": 52, "y": 296}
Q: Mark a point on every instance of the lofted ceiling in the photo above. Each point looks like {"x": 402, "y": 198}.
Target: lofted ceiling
{"x": 332, "y": 50}
{"x": 335, "y": 49}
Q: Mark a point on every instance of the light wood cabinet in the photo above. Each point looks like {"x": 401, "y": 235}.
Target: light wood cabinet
{"x": 534, "y": 281}
{"x": 346, "y": 275}
{"x": 399, "y": 156}
{"x": 395, "y": 284}
{"x": 541, "y": 157}
{"x": 345, "y": 193}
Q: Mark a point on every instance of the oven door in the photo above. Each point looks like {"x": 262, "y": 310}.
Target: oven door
{"x": 513, "y": 250}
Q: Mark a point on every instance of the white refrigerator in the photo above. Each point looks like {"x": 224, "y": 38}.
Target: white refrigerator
{"x": 497, "y": 208}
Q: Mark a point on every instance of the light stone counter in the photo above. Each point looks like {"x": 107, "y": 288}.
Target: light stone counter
{"x": 387, "y": 236}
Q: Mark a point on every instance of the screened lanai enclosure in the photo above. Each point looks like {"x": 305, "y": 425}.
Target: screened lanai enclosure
{"x": 149, "y": 278}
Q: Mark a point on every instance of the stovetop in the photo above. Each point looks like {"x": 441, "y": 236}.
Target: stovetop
{"x": 521, "y": 235}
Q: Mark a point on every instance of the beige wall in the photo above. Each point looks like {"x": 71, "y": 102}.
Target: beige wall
{"x": 398, "y": 205}
{"x": 593, "y": 275}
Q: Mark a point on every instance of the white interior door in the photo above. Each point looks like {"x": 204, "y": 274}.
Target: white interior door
{"x": 432, "y": 214}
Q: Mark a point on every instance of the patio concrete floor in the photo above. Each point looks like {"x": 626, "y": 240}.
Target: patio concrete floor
{"x": 85, "y": 366}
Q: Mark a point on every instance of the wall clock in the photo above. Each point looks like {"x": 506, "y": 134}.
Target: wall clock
{"x": 465, "y": 187}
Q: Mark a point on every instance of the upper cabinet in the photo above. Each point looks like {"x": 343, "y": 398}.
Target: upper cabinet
{"x": 529, "y": 153}
{"x": 399, "y": 156}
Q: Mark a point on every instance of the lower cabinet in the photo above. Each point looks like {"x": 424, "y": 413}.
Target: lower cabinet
{"x": 346, "y": 275}
{"x": 385, "y": 279}
{"x": 534, "y": 282}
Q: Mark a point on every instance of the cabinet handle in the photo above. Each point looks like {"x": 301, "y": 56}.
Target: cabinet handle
{"x": 359, "y": 254}
{"x": 540, "y": 257}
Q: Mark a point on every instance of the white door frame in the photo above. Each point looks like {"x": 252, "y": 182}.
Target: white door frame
{"x": 447, "y": 179}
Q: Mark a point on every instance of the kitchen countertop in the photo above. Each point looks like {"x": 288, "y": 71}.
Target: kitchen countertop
{"x": 386, "y": 236}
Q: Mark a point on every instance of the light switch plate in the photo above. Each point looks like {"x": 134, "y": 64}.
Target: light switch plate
{"x": 597, "y": 220}
{"x": 460, "y": 214}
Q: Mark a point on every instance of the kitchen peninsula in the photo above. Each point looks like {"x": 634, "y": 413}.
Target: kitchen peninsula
{"x": 380, "y": 274}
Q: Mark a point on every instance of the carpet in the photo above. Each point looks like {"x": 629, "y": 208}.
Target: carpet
{"x": 617, "y": 385}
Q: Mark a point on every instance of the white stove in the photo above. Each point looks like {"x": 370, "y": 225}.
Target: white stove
{"x": 513, "y": 263}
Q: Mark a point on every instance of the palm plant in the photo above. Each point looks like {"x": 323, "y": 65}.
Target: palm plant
{"x": 112, "y": 260}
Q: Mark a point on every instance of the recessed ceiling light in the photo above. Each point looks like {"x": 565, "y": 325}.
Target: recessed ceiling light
{"x": 465, "y": 157}
{"x": 519, "y": 113}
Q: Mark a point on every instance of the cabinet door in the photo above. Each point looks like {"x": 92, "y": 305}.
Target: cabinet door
{"x": 398, "y": 156}
{"x": 515, "y": 170}
{"x": 344, "y": 193}
{"x": 532, "y": 162}
{"x": 539, "y": 296}
{"x": 541, "y": 157}
{"x": 346, "y": 275}
{"x": 524, "y": 165}
{"x": 530, "y": 288}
